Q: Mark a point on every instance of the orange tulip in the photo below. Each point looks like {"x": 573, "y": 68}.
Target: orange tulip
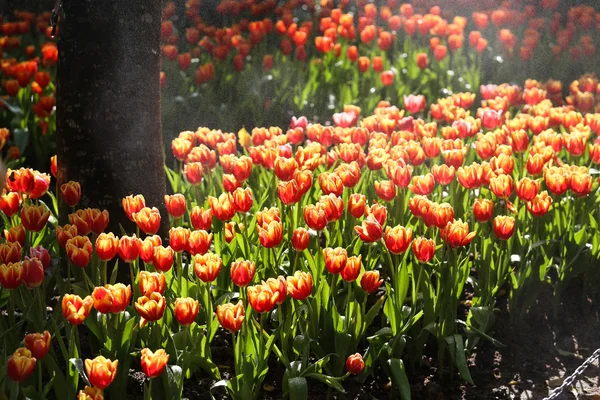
{"x": 90, "y": 393}
{"x": 242, "y": 272}
{"x": 355, "y": 364}
{"x": 64, "y": 233}
{"x": 300, "y": 239}
{"x": 178, "y": 238}
{"x": 38, "y": 344}
{"x": 300, "y": 285}
{"x": 242, "y": 199}
{"x": 442, "y": 174}
{"x": 207, "y": 266}
{"x": 262, "y": 298}
{"x": 147, "y": 247}
{"x": 501, "y": 186}
{"x": 242, "y": 168}
{"x": 133, "y": 204}
{"x": 352, "y": 269}
{"x": 10, "y": 252}
{"x": 357, "y": 203}
{"x": 175, "y": 205}
{"x": 483, "y": 209}
{"x": 186, "y": 310}
{"x": 470, "y": 176}
{"x": 147, "y": 219}
{"x": 199, "y": 242}
{"x": 370, "y": 231}
{"x": 11, "y": 275}
{"x": 397, "y": 239}
{"x": 527, "y": 188}
{"x": 193, "y": 172}
{"x": 386, "y": 190}
{"x": 10, "y": 203}
{"x": 107, "y": 246}
{"x": 370, "y": 281}
{"x": 270, "y": 234}
{"x": 101, "y": 371}
{"x": 223, "y": 207}
{"x": 201, "y": 219}
{"x": 151, "y": 282}
{"x": 289, "y": 192}
{"x": 335, "y": 259}
{"x": 504, "y": 226}
{"x": 151, "y": 308}
{"x": 231, "y": 316}
{"x": 330, "y": 182}
{"x": 162, "y": 258}
{"x": 284, "y": 168}
{"x": 20, "y": 365}
{"x": 540, "y": 205}
{"x": 153, "y": 363}
{"x": 581, "y": 183}
{"x": 15, "y": 234}
{"x": 457, "y": 234}
{"x": 76, "y": 309}
{"x": 34, "y": 218}
{"x": 424, "y": 249}
{"x": 129, "y": 248}
{"x": 556, "y": 180}
{"x": 315, "y": 216}
{"x": 79, "y": 250}
{"x": 111, "y": 298}
{"x": 422, "y": 185}
{"x": 71, "y": 193}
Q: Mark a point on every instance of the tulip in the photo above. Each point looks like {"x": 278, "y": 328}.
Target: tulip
{"x": 107, "y": 246}
{"x": 414, "y": 104}
{"x": 41, "y": 254}
{"x": 53, "y": 166}
{"x": 504, "y": 226}
{"x": 242, "y": 199}
{"x": 90, "y": 393}
{"x": 71, "y": 193}
{"x": 231, "y": 316}
{"x": 199, "y": 242}
{"x": 262, "y": 298}
{"x": 315, "y": 216}
{"x": 34, "y": 218}
{"x": 129, "y": 248}
{"x": 175, "y": 205}
{"x": 101, "y": 371}
{"x": 193, "y": 172}
{"x": 15, "y": 234}
{"x": 153, "y": 363}
{"x": 501, "y": 186}
{"x": 284, "y": 168}
{"x": 151, "y": 282}
{"x": 147, "y": 248}
{"x": 270, "y": 234}
{"x": 148, "y": 220}
{"x": 370, "y": 281}
{"x": 133, "y": 204}
{"x": 162, "y": 258}
{"x": 223, "y": 207}
{"x": 355, "y": 364}
{"x": 279, "y": 288}
{"x": 178, "y": 238}
{"x": 540, "y": 205}
{"x": 242, "y": 272}
{"x": 151, "y": 308}
{"x": 79, "y": 251}
{"x": 483, "y": 209}
{"x": 300, "y": 285}
{"x": 442, "y": 174}
{"x": 63, "y": 234}
{"x": 76, "y": 309}
{"x": 424, "y": 249}
{"x": 38, "y": 344}
{"x": 207, "y": 266}
{"x": 581, "y": 184}
{"x": 377, "y": 211}
{"x": 186, "y": 310}
{"x": 386, "y": 190}
{"x": 370, "y": 231}
{"x": 334, "y": 207}
{"x": 10, "y": 203}
{"x": 335, "y": 259}
{"x": 357, "y": 204}
{"x": 111, "y": 298}
{"x": 300, "y": 239}
{"x": 33, "y": 272}
{"x": 422, "y": 185}
{"x": 352, "y": 269}
{"x": 457, "y": 234}
{"x": 201, "y": 219}
{"x": 330, "y": 182}
{"x": 20, "y": 365}
{"x": 397, "y": 239}
{"x": 289, "y": 192}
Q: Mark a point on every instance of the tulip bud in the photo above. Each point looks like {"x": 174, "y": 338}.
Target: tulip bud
{"x": 133, "y": 204}
{"x": 41, "y": 254}
{"x": 33, "y": 273}
{"x": 79, "y": 251}
{"x": 335, "y": 259}
{"x": 175, "y": 205}
{"x": 148, "y": 220}
{"x": 370, "y": 281}
{"x": 129, "y": 248}
{"x": 201, "y": 219}
{"x": 107, "y": 246}
{"x": 355, "y": 364}
{"x": 504, "y": 227}
{"x": 71, "y": 193}
{"x": 300, "y": 239}
{"x": 10, "y": 203}
{"x": 34, "y": 218}
{"x": 20, "y": 365}
{"x": 242, "y": 272}
{"x": 38, "y": 344}
{"x": 186, "y": 310}
{"x": 199, "y": 242}
{"x": 352, "y": 269}
{"x": 424, "y": 249}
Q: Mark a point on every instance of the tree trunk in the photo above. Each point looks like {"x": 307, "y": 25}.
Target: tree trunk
{"x": 108, "y": 104}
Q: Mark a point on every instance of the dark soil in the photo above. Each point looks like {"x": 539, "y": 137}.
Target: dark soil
{"x": 541, "y": 349}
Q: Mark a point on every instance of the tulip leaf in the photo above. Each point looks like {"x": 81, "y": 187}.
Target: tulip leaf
{"x": 78, "y": 364}
{"x": 457, "y": 352}
{"x": 298, "y": 388}
{"x": 328, "y": 380}
{"x": 126, "y": 332}
{"x": 399, "y": 378}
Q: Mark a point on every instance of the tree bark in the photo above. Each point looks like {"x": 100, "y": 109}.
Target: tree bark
{"x": 108, "y": 104}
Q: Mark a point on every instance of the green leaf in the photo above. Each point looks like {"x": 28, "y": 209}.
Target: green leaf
{"x": 126, "y": 334}
{"x": 399, "y": 378}
{"x": 298, "y": 388}
{"x": 457, "y": 352}
{"x": 328, "y": 380}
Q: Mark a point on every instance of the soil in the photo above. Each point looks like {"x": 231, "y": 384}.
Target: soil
{"x": 541, "y": 350}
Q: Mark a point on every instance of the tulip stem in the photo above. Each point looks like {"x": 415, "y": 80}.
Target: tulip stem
{"x": 105, "y": 272}
{"x": 40, "y": 383}
{"x": 183, "y": 360}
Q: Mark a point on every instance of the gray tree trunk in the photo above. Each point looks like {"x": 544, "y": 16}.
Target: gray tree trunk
{"x": 108, "y": 103}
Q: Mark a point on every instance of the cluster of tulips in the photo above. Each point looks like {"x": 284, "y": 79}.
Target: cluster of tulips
{"x": 311, "y": 57}
{"x": 333, "y": 249}
{"x": 28, "y": 60}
